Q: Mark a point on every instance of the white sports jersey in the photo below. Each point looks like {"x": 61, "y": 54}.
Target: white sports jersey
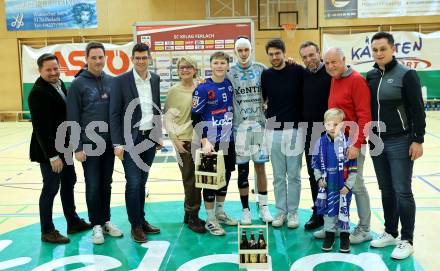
{"x": 247, "y": 100}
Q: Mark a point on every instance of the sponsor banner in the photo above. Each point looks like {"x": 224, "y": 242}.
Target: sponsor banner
{"x": 336, "y": 9}
{"x": 71, "y": 57}
{"x": 187, "y": 36}
{"x": 415, "y": 50}
{"x": 374, "y": 8}
{"x": 50, "y": 14}
{"x": 169, "y": 41}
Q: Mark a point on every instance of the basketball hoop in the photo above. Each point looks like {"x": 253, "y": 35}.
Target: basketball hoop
{"x": 290, "y": 30}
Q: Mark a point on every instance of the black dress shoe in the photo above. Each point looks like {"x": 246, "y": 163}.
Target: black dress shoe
{"x": 314, "y": 222}
{"x": 148, "y": 228}
{"x": 80, "y": 226}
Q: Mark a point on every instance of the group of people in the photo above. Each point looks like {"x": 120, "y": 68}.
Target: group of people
{"x": 250, "y": 112}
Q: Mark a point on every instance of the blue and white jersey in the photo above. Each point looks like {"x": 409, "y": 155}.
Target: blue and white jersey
{"x": 214, "y": 102}
{"x": 248, "y": 99}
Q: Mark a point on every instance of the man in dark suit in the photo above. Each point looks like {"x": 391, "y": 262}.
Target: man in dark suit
{"x": 47, "y": 104}
{"x": 136, "y": 133}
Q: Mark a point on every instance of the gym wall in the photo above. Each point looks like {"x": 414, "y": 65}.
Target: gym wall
{"x": 115, "y": 19}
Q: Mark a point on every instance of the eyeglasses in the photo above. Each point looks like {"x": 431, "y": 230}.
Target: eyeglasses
{"x": 182, "y": 68}
{"x": 144, "y": 58}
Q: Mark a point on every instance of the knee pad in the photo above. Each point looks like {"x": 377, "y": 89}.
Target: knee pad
{"x": 208, "y": 195}
{"x": 243, "y": 175}
{"x": 224, "y": 190}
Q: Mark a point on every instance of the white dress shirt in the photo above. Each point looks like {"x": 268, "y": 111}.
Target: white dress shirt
{"x": 146, "y": 100}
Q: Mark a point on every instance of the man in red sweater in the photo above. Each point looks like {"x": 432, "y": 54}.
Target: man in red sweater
{"x": 349, "y": 92}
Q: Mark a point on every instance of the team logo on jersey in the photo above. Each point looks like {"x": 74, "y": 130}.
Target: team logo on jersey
{"x": 218, "y": 111}
{"x": 390, "y": 81}
{"x": 211, "y": 94}
{"x": 195, "y": 101}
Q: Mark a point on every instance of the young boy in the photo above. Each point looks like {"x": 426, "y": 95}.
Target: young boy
{"x": 336, "y": 176}
{"x": 212, "y": 119}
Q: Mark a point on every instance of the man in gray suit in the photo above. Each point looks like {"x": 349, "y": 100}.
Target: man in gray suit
{"x": 136, "y": 134}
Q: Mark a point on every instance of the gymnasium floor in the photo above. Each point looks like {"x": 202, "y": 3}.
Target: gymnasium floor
{"x": 176, "y": 247}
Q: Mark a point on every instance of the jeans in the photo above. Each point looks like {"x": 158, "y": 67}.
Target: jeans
{"x": 286, "y": 156}
{"x": 98, "y": 171}
{"x": 136, "y": 179}
{"x": 314, "y": 187}
{"x": 51, "y": 184}
{"x": 394, "y": 173}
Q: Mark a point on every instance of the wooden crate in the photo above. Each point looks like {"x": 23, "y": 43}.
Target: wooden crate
{"x": 215, "y": 180}
{"x": 253, "y": 251}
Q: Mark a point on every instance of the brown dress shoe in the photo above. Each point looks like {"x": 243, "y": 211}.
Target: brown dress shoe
{"x": 82, "y": 225}
{"x": 54, "y": 237}
{"x": 195, "y": 224}
{"x": 148, "y": 228}
{"x": 137, "y": 234}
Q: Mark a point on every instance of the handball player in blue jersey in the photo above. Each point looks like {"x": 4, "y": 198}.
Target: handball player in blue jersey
{"x": 212, "y": 120}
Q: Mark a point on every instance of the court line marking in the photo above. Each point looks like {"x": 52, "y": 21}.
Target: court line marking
{"x": 433, "y": 135}
{"x": 15, "y": 145}
{"x": 379, "y": 217}
{"x": 428, "y": 183}
{"x": 16, "y": 212}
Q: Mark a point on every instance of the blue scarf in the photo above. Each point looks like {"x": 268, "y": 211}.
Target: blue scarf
{"x": 329, "y": 201}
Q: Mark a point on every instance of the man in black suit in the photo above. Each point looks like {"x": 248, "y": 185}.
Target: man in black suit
{"x": 47, "y": 104}
{"x": 136, "y": 133}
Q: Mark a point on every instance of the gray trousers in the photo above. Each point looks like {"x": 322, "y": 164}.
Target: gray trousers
{"x": 331, "y": 224}
{"x": 361, "y": 196}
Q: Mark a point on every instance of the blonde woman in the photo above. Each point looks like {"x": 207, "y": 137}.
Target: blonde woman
{"x": 177, "y": 122}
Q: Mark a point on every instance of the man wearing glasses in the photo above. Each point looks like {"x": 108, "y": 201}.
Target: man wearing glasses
{"x": 136, "y": 134}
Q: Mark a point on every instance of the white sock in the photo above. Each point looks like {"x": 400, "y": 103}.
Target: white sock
{"x": 262, "y": 199}
{"x": 210, "y": 214}
{"x": 219, "y": 207}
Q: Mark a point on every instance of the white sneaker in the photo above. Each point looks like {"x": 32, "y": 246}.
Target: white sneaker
{"x": 223, "y": 218}
{"x": 403, "y": 250}
{"x": 358, "y": 236}
{"x": 292, "y": 221}
{"x": 112, "y": 230}
{"x": 279, "y": 220}
{"x": 246, "y": 217}
{"x": 97, "y": 236}
{"x": 321, "y": 234}
{"x": 385, "y": 239}
{"x": 265, "y": 214}
{"x": 214, "y": 227}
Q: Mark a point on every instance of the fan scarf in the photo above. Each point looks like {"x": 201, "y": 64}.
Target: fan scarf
{"x": 329, "y": 200}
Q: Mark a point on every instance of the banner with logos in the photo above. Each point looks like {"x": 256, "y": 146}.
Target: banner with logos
{"x": 50, "y": 14}
{"x": 199, "y": 39}
{"x": 71, "y": 57}
{"x": 334, "y": 9}
{"x": 415, "y": 50}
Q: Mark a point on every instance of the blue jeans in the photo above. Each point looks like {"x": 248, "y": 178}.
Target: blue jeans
{"x": 51, "y": 184}
{"x": 135, "y": 187}
{"x": 394, "y": 173}
{"x": 98, "y": 171}
{"x": 286, "y": 159}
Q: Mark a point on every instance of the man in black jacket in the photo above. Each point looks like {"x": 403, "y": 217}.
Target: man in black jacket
{"x": 397, "y": 102}
{"x": 315, "y": 92}
{"x": 136, "y": 133}
{"x": 47, "y": 104}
